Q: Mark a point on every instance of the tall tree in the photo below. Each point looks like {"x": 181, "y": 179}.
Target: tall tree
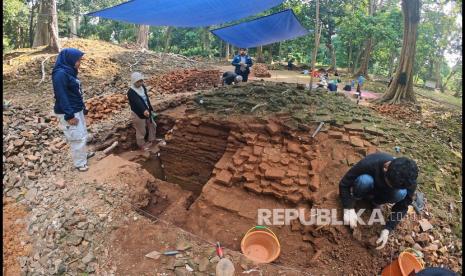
{"x": 317, "y": 41}
{"x": 401, "y": 88}
{"x": 330, "y": 12}
{"x": 260, "y": 58}
{"x": 34, "y": 5}
{"x": 143, "y": 36}
{"x": 206, "y": 41}
{"x": 227, "y": 52}
{"x": 47, "y": 26}
{"x": 368, "y": 45}
{"x": 42, "y": 34}
{"x": 167, "y": 43}
{"x": 54, "y": 44}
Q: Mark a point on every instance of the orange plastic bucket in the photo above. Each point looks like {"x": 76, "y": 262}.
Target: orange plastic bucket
{"x": 260, "y": 245}
{"x": 403, "y": 266}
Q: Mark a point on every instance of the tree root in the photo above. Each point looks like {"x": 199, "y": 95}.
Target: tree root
{"x": 43, "y": 69}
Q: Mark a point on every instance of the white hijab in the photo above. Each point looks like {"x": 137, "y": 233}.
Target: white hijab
{"x": 136, "y": 76}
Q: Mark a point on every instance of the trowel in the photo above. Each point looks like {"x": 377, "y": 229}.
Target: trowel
{"x": 225, "y": 268}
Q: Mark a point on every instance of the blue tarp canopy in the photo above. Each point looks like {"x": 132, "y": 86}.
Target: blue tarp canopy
{"x": 184, "y": 13}
{"x": 262, "y": 31}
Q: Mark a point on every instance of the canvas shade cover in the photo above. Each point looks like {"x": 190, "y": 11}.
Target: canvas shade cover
{"x": 184, "y": 13}
{"x": 262, "y": 31}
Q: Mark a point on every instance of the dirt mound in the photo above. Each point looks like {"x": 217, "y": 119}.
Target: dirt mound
{"x": 105, "y": 69}
{"x": 15, "y": 239}
{"x": 185, "y": 80}
{"x": 123, "y": 175}
{"x": 91, "y": 46}
{"x": 260, "y": 70}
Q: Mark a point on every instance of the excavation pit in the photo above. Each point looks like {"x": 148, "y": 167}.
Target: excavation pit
{"x": 213, "y": 176}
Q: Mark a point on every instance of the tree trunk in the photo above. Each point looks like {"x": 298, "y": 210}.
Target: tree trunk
{"x": 403, "y": 92}
{"x": 357, "y": 60}
{"x": 54, "y": 44}
{"x": 78, "y": 22}
{"x": 227, "y": 52}
{"x": 332, "y": 52}
{"x": 452, "y": 73}
{"x": 437, "y": 75}
{"x": 72, "y": 27}
{"x": 270, "y": 54}
{"x": 31, "y": 24}
{"x": 363, "y": 69}
{"x": 317, "y": 42}
{"x": 47, "y": 26}
{"x": 391, "y": 63}
{"x": 260, "y": 58}
{"x": 42, "y": 33}
{"x": 143, "y": 36}
{"x": 206, "y": 41}
{"x": 168, "y": 32}
{"x": 349, "y": 64}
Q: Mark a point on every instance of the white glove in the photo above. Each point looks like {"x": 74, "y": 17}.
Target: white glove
{"x": 383, "y": 238}
{"x": 350, "y": 218}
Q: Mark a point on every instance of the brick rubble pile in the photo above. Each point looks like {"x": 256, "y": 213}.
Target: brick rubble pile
{"x": 101, "y": 107}
{"x": 185, "y": 80}
{"x": 260, "y": 70}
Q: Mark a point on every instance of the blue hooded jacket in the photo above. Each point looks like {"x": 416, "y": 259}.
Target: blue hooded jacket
{"x": 237, "y": 59}
{"x": 66, "y": 85}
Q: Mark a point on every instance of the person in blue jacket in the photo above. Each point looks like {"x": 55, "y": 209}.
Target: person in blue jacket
{"x": 242, "y": 62}
{"x": 69, "y": 105}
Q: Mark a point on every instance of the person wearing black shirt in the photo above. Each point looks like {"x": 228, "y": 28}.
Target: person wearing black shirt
{"x": 142, "y": 112}
{"x": 379, "y": 178}
{"x": 230, "y": 77}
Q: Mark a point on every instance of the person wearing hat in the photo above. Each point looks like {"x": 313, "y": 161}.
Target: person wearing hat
{"x": 379, "y": 178}
{"x": 242, "y": 62}
{"x": 142, "y": 111}
{"x": 69, "y": 105}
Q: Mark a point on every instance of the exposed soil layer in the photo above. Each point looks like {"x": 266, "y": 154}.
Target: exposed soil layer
{"x": 15, "y": 237}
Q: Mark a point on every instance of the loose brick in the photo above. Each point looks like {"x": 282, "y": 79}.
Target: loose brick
{"x": 263, "y": 167}
{"x": 291, "y": 173}
{"x": 294, "y": 198}
{"x": 335, "y": 134}
{"x": 315, "y": 183}
{"x": 253, "y": 187}
{"x": 287, "y": 181}
{"x": 224, "y": 177}
{"x": 257, "y": 150}
{"x": 303, "y": 181}
{"x": 250, "y": 177}
{"x": 294, "y": 147}
{"x": 356, "y": 141}
{"x": 272, "y": 128}
{"x": 274, "y": 173}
